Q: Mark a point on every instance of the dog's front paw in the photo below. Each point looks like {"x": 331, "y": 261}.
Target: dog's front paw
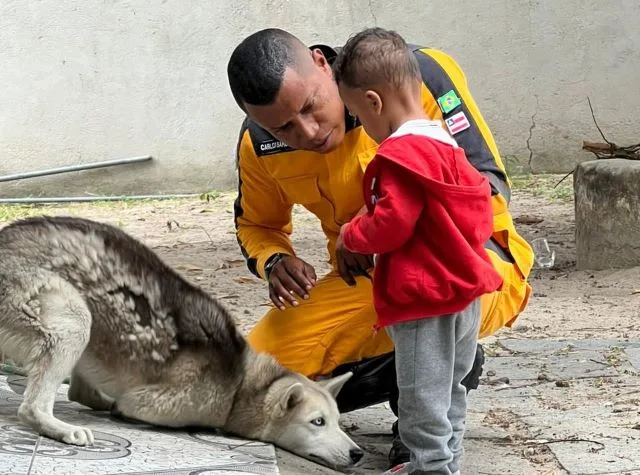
{"x": 78, "y": 436}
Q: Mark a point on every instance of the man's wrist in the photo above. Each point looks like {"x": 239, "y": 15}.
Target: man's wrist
{"x": 271, "y": 262}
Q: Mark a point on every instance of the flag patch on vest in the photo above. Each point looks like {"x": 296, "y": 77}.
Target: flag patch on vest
{"x": 449, "y": 101}
{"x": 457, "y": 123}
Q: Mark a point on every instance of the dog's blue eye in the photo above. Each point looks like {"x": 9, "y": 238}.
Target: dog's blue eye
{"x": 318, "y": 422}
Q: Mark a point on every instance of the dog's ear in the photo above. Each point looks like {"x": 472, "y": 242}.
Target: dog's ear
{"x": 289, "y": 398}
{"x": 334, "y": 385}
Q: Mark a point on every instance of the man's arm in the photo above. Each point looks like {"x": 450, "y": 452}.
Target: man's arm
{"x": 262, "y": 218}
{"x": 394, "y": 217}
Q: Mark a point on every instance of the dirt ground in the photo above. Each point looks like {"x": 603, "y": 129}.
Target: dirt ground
{"x": 197, "y": 238}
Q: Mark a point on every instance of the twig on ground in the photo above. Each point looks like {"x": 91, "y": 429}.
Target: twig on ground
{"x": 560, "y": 441}
{"x": 173, "y": 222}
{"x": 600, "y": 362}
{"x": 528, "y": 385}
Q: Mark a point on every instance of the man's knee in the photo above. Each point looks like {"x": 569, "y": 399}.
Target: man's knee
{"x": 501, "y": 308}
{"x": 373, "y": 382}
{"x": 512, "y": 257}
{"x": 333, "y": 327}
{"x": 270, "y": 335}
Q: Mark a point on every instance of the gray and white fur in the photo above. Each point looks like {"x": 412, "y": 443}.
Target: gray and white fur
{"x": 84, "y": 299}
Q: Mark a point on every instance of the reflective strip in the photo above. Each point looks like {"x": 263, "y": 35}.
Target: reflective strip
{"x": 252, "y": 263}
{"x": 492, "y": 245}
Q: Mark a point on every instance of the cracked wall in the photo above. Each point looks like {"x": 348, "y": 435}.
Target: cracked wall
{"x": 86, "y": 82}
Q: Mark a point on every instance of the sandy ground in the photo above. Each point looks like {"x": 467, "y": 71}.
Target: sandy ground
{"x": 197, "y": 238}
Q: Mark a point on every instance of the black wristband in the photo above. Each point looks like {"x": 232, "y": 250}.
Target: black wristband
{"x": 271, "y": 263}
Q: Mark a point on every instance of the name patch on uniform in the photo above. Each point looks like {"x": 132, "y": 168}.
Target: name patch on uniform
{"x": 273, "y": 146}
{"x": 449, "y": 101}
{"x": 457, "y": 123}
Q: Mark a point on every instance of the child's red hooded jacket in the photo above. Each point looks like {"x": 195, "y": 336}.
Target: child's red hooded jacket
{"x": 429, "y": 217}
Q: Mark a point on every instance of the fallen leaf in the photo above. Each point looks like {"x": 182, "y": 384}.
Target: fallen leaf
{"x": 229, "y": 263}
{"x": 498, "y": 381}
{"x": 528, "y": 219}
{"x": 171, "y": 223}
{"x": 245, "y": 280}
{"x": 543, "y": 377}
{"x": 189, "y": 267}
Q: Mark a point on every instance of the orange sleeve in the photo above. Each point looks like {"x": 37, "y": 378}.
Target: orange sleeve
{"x": 262, "y": 217}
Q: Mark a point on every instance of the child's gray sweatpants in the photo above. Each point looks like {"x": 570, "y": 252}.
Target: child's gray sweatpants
{"x": 433, "y": 355}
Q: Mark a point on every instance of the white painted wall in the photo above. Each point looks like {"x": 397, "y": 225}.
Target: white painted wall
{"x": 83, "y": 81}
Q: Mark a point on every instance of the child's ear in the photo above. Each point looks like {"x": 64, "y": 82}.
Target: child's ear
{"x": 374, "y": 101}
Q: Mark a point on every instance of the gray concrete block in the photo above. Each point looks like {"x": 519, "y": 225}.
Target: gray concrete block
{"x": 607, "y": 207}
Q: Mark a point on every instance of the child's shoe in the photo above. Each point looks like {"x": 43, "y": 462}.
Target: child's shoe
{"x": 398, "y": 469}
{"x": 404, "y": 468}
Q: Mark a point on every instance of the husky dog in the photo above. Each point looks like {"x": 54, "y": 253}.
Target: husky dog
{"x": 84, "y": 299}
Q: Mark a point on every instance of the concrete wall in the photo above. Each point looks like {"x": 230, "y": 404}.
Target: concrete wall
{"x": 88, "y": 80}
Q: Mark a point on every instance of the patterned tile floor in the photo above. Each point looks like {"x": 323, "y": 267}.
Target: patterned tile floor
{"x": 120, "y": 448}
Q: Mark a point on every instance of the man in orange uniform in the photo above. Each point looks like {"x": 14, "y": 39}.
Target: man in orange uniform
{"x": 298, "y": 145}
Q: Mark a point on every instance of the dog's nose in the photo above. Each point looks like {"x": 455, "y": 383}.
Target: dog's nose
{"x": 356, "y": 455}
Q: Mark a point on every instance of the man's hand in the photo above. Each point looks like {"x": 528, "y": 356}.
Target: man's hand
{"x": 351, "y": 264}
{"x": 291, "y": 275}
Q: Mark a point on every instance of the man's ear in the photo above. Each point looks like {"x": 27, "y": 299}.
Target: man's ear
{"x": 334, "y": 385}
{"x": 374, "y": 101}
{"x": 320, "y": 60}
{"x": 289, "y": 398}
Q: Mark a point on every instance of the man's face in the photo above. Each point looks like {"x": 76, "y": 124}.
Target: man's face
{"x": 308, "y": 113}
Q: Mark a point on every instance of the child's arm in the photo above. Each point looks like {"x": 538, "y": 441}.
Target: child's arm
{"x": 400, "y": 203}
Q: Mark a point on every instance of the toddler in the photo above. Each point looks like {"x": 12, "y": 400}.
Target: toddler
{"x": 428, "y": 218}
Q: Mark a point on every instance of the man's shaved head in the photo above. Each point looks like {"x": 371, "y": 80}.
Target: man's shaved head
{"x": 288, "y": 90}
{"x": 257, "y": 66}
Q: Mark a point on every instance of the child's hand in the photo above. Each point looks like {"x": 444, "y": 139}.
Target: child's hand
{"x": 351, "y": 264}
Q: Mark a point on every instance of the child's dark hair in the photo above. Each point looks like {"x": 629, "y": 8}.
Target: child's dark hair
{"x": 373, "y": 57}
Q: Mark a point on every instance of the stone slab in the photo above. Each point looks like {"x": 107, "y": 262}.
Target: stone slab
{"x": 607, "y": 444}
{"x": 121, "y": 448}
{"x": 573, "y": 365}
{"x": 607, "y": 214}
{"x": 542, "y": 346}
{"x": 526, "y": 409}
{"x": 633, "y": 354}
